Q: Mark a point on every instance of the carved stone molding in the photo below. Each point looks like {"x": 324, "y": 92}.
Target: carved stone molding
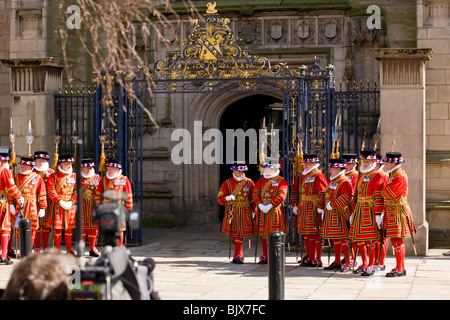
{"x": 249, "y": 31}
{"x": 276, "y": 31}
{"x": 303, "y": 31}
{"x": 331, "y": 31}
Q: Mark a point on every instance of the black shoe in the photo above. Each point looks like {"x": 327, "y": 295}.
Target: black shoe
{"x": 306, "y": 263}
{"x": 94, "y": 253}
{"x": 395, "y": 273}
{"x": 367, "y": 272}
{"x": 316, "y": 264}
{"x": 11, "y": 253}
{"x": 333, "y": 267}
{"x": 6, "y": 261}
{"x": 380, "y": 268}
{"x": 262, "y": 259}
{"x": 358, "y": 270}
{"x": 238, "y": 260}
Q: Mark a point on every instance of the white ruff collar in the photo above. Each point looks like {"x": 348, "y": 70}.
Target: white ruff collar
{"x": 339, "y": 174}
{"x": 26, "y": 172}
{"x": 113, "y": 176}
{"x": 394, "y": 168}
{"x": 272, "y": 175}
{"x": 354, "y": 169}
{"x": 64, "y": 171}
{"x": 366, "y": 170}
{"x": 238, "y": 179}
{"x": 305, "y": 172}
{"x": 89, "y": 175}
{"x": 44, "y": 167}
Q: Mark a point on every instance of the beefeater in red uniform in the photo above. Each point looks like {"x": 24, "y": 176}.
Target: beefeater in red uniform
{"x": 90, "y": 182}
{"x": 380, "y": 257}
{"x": 367, "y": 209}
{"x": 115, "y": 180}
{"x": 236, "y": 195}
{"x": 9, "y": 193}
{"x": 399, "y": 219}
{"x": 34, "y": 192}
{"x": 62, "y": 191}
{"x": 334, "y": 208}
{"x": 351, "y": 172}
{"x": 41, "y": 167}
{"x": 304, "y": 200}
{"x": 269, "y": 195}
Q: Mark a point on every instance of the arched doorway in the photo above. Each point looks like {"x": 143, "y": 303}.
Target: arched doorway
{"x": 249, "y": 113}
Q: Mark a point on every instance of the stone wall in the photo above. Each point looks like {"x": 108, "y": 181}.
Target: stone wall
{"x": 434, "y": 32}
{"x": 5, "y": 105}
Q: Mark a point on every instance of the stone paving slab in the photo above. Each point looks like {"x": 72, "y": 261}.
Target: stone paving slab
{"x": 193, "y": 264}
{"x": 203, "y": 272}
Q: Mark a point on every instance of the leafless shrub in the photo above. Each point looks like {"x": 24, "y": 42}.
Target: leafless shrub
{"x": 110, "y": 32}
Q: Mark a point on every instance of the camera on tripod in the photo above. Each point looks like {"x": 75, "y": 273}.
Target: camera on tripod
{"x": 115, "y": 275}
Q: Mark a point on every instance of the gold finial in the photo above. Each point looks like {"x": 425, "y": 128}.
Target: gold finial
{"x": 211, "y": 7}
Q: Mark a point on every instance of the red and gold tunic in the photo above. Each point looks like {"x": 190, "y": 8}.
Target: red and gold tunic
{"x": 89, "y": 188}
{"x": 8, "y": 192}
{"x": 62, "y": 187}
{"x": 353, "y": 177}
{"x": 45, "y": 176}
{"x": 399, "y": 219}
{"x": 274, "y": 191}
{"x": 367, "y": 203}
{"x": 120, "y": 184}
{"x": 238, "y": 213}
{"x": 34, "y": 193}
{"x": 306, "y": 196}
{"x": 339, "y": 193}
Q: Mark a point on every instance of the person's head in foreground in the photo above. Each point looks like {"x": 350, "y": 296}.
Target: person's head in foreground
{"x": 41, "y": 276}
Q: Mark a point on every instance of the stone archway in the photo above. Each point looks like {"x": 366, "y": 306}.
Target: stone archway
{"x": 201, "y": 182}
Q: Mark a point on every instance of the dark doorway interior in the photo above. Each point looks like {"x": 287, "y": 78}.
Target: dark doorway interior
{"x": 248, "y": 113}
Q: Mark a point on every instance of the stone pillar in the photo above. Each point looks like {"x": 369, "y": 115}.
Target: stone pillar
{"x": 33, "y": 85}
{"x": 402, "y": 104}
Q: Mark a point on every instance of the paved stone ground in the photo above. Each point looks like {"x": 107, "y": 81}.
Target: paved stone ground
{"x": 193, "y": 264}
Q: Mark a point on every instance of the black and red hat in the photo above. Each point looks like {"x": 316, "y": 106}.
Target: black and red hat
{"x": 350, "y": 157}
{"x": 114, "y": 164}
{"x": 87, "y": 163}
{"x": 66, "y": 158}
{"x": 394, "y": 157}
{"x": 41, "y": 155}
{"x": 368, "y": 155}
{"x": 336, "y": 163}
{"x": 310, "y": 158}
{"x": 27, "y": 161}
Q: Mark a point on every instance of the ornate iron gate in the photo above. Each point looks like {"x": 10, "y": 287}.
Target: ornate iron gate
{"x": 80, "y": 115}
{"x": 315, "y": 113}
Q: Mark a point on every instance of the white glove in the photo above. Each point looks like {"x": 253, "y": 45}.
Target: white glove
{"x": 379, "y": 219}
{"x": 65, "y": 204}
{"x": 265, "y": 208}
{"x": 21, "y": 201}
{"x": 41, "y": 213}
{"x": 230, "y": 198}
{"x": 329, "y": 207}
{"x": 351, "y": 218}
{"x": 12, "y": 208}
{"x": 295, "y": 209}
{"x": 320, "y": 211}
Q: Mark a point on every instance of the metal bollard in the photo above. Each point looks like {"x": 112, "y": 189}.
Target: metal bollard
{"x": 25, "y": 237}
{"x": 276, "y": 257}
